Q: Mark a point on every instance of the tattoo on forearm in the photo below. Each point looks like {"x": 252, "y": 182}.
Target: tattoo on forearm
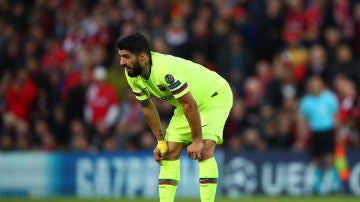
{"x": 162, "y": 135}
{"x": 145, "y": 103}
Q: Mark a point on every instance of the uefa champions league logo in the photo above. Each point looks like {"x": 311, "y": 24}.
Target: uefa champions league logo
{"x": 240, "y": 177}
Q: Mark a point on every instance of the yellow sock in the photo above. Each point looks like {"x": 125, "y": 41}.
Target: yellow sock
{"x": 168, "y": 180}
{"x": 208, "y": 171}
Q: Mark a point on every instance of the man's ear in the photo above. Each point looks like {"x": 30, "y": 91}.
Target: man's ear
{"x": 143, "y": 57}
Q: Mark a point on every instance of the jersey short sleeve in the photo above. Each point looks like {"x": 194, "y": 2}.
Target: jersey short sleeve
{"x": 139, "y": 90}
{"x": 174, "y": 79}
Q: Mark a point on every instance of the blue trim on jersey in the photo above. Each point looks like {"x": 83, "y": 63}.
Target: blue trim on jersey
{"x": 183, "y": 87}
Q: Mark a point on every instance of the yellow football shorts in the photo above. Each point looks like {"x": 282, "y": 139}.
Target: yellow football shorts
{"x": 213, "y": 117}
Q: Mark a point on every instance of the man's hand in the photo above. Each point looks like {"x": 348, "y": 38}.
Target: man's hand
{"x": 194, "y": 149}
{"x": 157, "y": 156}
{"x": 163, "y": 147}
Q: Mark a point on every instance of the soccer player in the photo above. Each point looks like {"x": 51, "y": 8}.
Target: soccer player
{"x": 202, "y": 98}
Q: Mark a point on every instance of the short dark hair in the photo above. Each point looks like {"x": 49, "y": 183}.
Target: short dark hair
{"x": 135, "y": 43}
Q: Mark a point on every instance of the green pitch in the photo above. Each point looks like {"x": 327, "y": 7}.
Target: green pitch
{"x": 242, "y": 199}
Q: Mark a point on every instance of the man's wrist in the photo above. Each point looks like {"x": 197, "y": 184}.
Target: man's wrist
{"x": 197, "y": 140}
{"x": 161, "y": 136}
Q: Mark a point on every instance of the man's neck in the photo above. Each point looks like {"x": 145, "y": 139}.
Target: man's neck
{"x": 146, "y": 69}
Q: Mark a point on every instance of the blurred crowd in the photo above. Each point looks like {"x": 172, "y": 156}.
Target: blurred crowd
{"x": 61, "y": 87}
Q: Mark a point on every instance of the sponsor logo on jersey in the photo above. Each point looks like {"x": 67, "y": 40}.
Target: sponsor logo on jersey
{"x": 161, "y": 87}
{"x": 166, "y": 98}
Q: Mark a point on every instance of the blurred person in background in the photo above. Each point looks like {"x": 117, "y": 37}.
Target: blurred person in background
{"x": 71, "y": 77}
{"x": 236, "y": 123}
{"x": 354, "y": 126}
{"x": 42, "y": 136}
{"x": 101, "y": 108}
{"x": 54, "y": 56}
{"x": 294, "y": 55}
{"x": 146, "y": 141}
{"x": 6, "y": 142}
{"x": 79, "y": 137}
{"x": 264, "y": 72}
{"x": 254, "y": 98}
{"x": 252, "y": 141}
{"x": 52, "y": 91}
{"x": 284, "y": 131}
{"x": 243, "y": 22}
{"x": 235, "y": 62}
{"x": 59, "y": 127}
{"x": 275, "y": 128}
{"x": 337, "y": 14}
{"x": 37, "y": 74}
{"x": 356, "y": 18}
{"x": 126, "y": 141}
{"x": 200, "y": 33}
{"x": 109, "y": 144}
{"x": 283, "y": 88}
{"x": 346, "y": 92}
{"x": 271, "y": 26}
{"x": 5, "y": 81}
{"x": 332, "y": 40}
{"x": 270, "y": 135}
{"x": 234, "y": 143}
{"x": 76, "y": 100}
{"x": 345, "y": 64}
{"x": 295, "y": 16}
{"x": 302, "y": 135}
{"x": 23, "y": 139}
{"x": 273, "y": 93}
{"x": 159, "y": 44}
{"x": 20, "y": 99}
{"x": 130, "y": 120}
{"x": 200, "y": 58}
{"x": 319, "y": 108}
{"x": 157, "y": 24}
{"x": 220, "y": 33}
{"x": 177, "y": 37}
{"x": 12, "y": 56}
{"x": 318, "y": 64}
{"x": 314, "y": 15}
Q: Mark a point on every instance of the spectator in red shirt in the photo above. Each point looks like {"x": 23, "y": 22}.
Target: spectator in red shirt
{"x": 20, "y": 98}
{"x": 71, "y": 79}
{"x": 346, "y": 91}
{"x": 295, "y": 16}
{"x": 101, "y": 100}
{"x": 55, "y": 56}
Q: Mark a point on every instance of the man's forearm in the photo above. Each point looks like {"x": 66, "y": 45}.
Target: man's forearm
{"x": 152, "y": 118}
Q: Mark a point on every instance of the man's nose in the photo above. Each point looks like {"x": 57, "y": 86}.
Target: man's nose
{"x": 122, "y": 62}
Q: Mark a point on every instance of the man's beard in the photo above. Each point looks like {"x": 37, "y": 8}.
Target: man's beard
{"x": 136, "y": 70}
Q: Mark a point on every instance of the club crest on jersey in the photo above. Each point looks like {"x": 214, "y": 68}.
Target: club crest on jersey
{"x": 169, "y": 78}
{"x": 161, "y": 87}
